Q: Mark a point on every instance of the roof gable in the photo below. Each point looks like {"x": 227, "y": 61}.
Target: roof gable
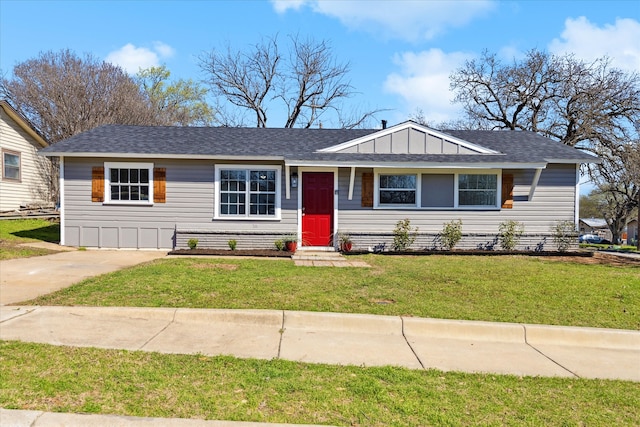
{"x": 23, "y": 123}
{"x": 408, "y": 138}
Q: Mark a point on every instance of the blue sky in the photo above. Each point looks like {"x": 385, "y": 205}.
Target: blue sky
{"x": 401, "y": 52}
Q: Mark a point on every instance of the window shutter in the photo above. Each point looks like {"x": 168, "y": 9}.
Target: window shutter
{"x": 507, "y": 191}
{"x": 97, "y": 184}
{"x": 159, "y": 185}
{"x": 367, "y": 190}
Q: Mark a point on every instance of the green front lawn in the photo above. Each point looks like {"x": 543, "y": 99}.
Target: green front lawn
{"x": 505, "y": 289}
{"x": 15, "y": 232}
{"x": 63, "y": 379}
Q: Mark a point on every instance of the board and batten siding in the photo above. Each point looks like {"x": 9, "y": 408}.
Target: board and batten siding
{"x": 189, "y": 208}
{"x": 30, "y": 188}
{"x": 553, "y": 201}
{"x": 408, "y": 141}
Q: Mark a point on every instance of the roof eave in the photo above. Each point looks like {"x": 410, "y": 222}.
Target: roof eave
{"x": 418, "y": 165}
{"x": 574, "y": 161}
{"x": 161, "y": 156}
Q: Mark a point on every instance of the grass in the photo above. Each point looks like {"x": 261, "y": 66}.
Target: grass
{"x": 64, "y": 379}
{"x": 520, "y": 289}
{"x": 15, "y": 232}
{"x": 504, "y": 289}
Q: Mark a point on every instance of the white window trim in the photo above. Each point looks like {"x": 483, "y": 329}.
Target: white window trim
{"x": 4, "y": 166}
{"x": 456, "y": 195}
{"x": 420, "y": 172}
{"x": 376, "y": 195}
{"x": 247, "y": 216}
{"x": 126, "y": 165}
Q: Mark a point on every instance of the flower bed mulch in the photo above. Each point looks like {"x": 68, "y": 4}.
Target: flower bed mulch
{"x": 237, "y": 252}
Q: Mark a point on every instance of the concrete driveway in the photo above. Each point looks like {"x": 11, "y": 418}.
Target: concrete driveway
{"x": 27, "y": 278}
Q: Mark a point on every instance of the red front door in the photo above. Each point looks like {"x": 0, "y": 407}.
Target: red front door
{"x": 317, "y": 208}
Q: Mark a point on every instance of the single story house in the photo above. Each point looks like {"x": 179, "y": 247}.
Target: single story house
{"x": 595, "y": 226}
{"x": 158, "y": 187}
{"x": 23, "y": 181}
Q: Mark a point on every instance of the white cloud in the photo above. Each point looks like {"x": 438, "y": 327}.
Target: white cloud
{"x": 163, "y": 49}
{"x": 423, "y": 83}
{"x": 132, "y": 58}
{"x": 620, "y": 42}
{"x": 282, "y": 6}
{"x": 406, "y": 19}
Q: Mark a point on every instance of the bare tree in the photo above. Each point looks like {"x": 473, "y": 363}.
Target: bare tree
{"x": 618, "y": 183}
{"x": 581, "y": 104}
{"x": 587, "y": 105}
{"x": 62, "y": 94}
{"x": 308, "y": 82}
{"x": 244, "y": 79}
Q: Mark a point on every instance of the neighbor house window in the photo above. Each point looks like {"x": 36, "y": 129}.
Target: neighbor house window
{"x": 248, "y": 192}
{"x": 129, "y": 182}
{"x": 11, "y": 165}
{"x": 397, "y": 190}
{"x": 477, "y": 190}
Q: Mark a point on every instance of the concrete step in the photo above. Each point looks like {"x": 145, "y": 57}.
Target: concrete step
{"x": 317, "y": 256}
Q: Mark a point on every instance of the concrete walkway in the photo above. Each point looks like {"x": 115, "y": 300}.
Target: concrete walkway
{"x": 363, "y": 340}
{"x": 23, "y": 279}
{"x": 307, "y": 258}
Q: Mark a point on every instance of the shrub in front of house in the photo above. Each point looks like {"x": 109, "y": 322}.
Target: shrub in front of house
{"x": 451, "y": 234}
{"x": 509, "y": 234}
{"x": 564, "y": 234}
{"x": 404, "y": 235}
{"x": 193, "y": 243}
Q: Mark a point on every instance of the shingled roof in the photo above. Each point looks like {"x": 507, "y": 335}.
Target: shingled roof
{"x": 300, "y": 146}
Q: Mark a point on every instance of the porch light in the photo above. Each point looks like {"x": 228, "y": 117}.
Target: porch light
{"x": 294, "y": 180}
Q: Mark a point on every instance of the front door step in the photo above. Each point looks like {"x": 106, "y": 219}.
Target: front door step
{"x": 324, "y": 259}
{"x": 318, "y": 255}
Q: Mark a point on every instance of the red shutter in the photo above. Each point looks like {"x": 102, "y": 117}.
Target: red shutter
{"x": 507, "y": 191}
{"x": 159, "y": 185}
{"x": 367, "y": 190}
{"x": 97, "y": 184}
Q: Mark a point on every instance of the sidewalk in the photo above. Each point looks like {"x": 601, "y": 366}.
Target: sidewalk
{"x": 17, "y": 418}
{"x": 354, "y": 339}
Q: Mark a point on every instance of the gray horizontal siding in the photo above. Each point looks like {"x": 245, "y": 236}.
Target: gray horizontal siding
{"x": 554, "y": 200}
{"x": 431, "y": 241}
{"x": 220, "y": 239}
{"x": 190, "y": 199}
{"x": 189, "y": 204}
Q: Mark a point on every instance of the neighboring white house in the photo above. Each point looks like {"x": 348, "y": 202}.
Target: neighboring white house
{"x": 21, "y": 180}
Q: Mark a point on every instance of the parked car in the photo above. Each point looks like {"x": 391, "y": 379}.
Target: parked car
{"x": 592, "y": 238}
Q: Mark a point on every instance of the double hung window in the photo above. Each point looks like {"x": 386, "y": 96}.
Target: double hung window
{"x": 397, "y": 190}
{"x": 129, "y": 182}
{"x": 11, "y": 165}
{"x": 477, "y": 190}
{"x": 248, "y": 192}
{"x": 438, "y": 189}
